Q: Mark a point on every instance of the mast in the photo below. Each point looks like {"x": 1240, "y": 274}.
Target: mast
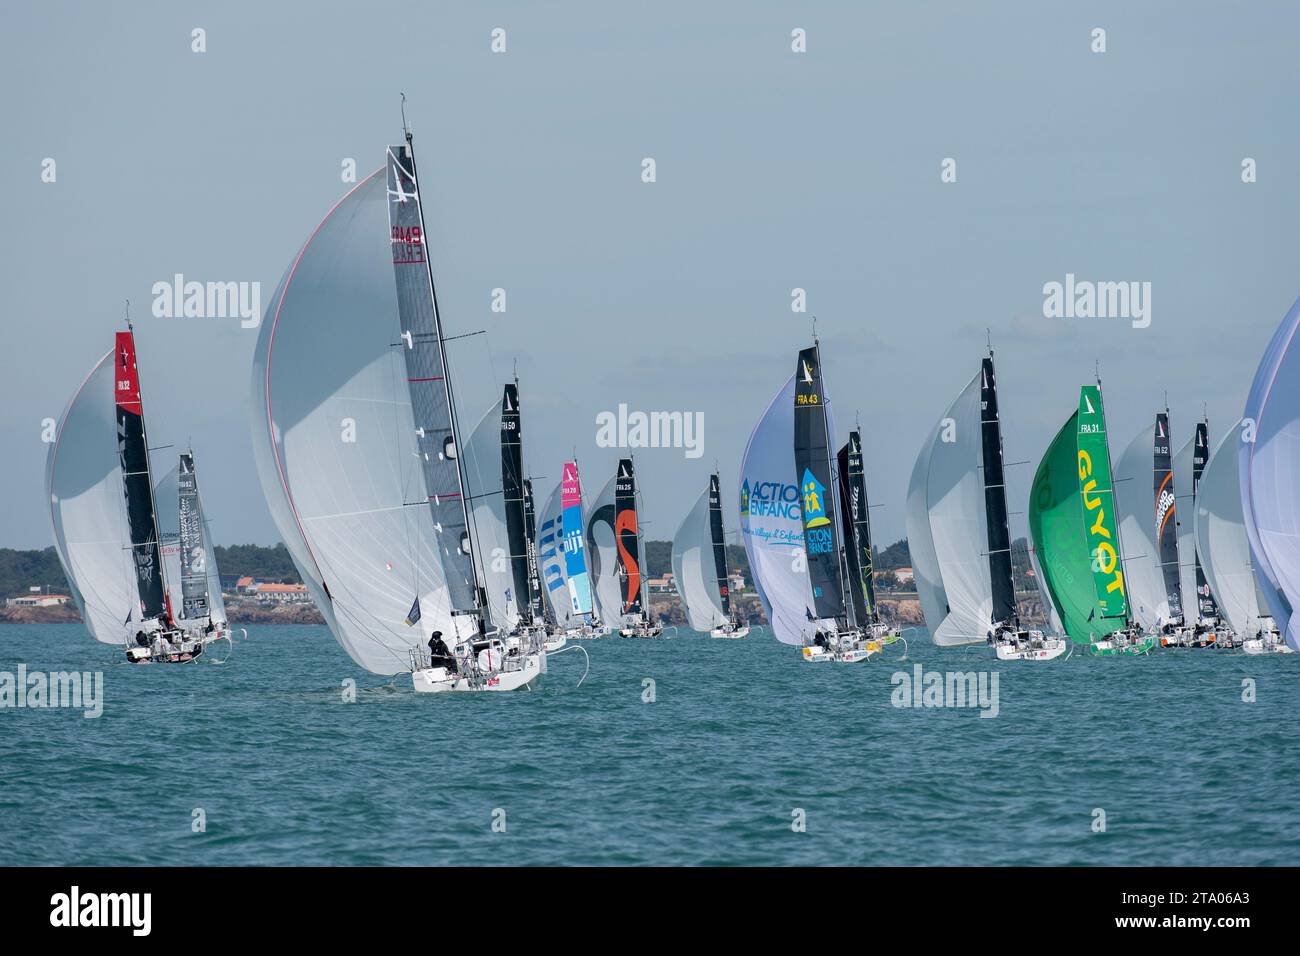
{"x": 137, "y": 482}
{"x": 1165, "y": 517}
{"x": 857, "y": 529}
{"x": 512, "y": 487}
{"x": 812, "y": 459}
{"x": 719, "y": 545}
{"x": 995, "y": 500}
{"x": 429, "y": 379}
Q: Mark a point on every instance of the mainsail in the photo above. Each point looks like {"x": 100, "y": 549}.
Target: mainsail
{"x": 1205, "y": 603}
{"x": 812, "y": 464}
{"x": 1164, "y": 516}
{"x": 630, "y": 561}
{"x": 83, "y": 482}
{"x": 512, "y": 479}
{"x": 1071, "y": 520}
{"x": 432, "y": 401}
{"x": 137, "y": 484}
{"x": 698, "y": 568}
{"x": 1221, "y": 543}
{"x": 719, "y": 543}
{"x": 1189, "y": 575}
{"x": 857, "y": 528}
{"x": 1269, "y": 462}
{"x": 189, "y": 559}
{"x": 536, "y": 606}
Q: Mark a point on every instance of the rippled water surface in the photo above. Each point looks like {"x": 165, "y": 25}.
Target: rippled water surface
{"x": 740, "y": 735}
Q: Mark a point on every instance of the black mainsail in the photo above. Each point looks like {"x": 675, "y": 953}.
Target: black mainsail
{"x": 812, "y": 461}
{"x": 432, "y": 402}
{"x": 719, "y": 544}
{"x": 194, "y": 553}
{"x": 539, "y": 610}
{"x": 512, "y": 477}
{"x": 627, "y": 537}
{"x": 857, "y": 528}
{"x": 137, "y": 484}
{"x": 995, "y": 499}
{"x": 1166, "y": 525}
{"x": 1205, "y": 602}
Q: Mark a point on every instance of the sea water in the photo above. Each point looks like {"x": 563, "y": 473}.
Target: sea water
{"x": 679, "y": 751}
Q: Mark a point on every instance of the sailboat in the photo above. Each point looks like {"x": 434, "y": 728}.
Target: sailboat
{"x": 634, "y": 604}
{"x": 1269, "y": 461}
{"x": 105, "y": 510}
{"x": 562, "y": 552}
{"x": 1076, "y": 537}
{"x": 358, "y": 447}
{"x": 959, "y": 534}
{"x": 1224, "y": 552}
{"x": 1204, "y": 627}
{"x": 700, "y": 567}
{"x": 858, "y": 560}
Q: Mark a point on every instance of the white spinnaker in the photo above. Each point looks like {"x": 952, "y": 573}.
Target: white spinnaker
{"x": 694, "y": 569}
{"x": 1184, "y": 510}
{"x": 1221, "y": 538}
{"x": 920, "y": 541}
{"x": 602, "y": 552}
{"x": 955, "y": 534}
{"x": 1135, "y": 505}
{"x": 83, "y": 482}
{"x": 488, "y": 517}
{"x": 771, "y": 521}
{"x": 1268, "y": 459}
{"x": 334, "y": 440}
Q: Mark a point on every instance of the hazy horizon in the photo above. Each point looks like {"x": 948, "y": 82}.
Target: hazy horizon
{"x": 775, "y": 170}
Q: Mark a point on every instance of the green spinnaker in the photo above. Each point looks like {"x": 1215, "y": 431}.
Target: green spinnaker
{"x": 1072, "y": 522}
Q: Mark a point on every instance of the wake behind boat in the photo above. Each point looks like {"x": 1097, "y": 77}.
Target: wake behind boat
{"x": 107, "y": 513}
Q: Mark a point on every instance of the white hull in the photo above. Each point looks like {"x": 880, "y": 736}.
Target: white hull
{"x": 846, "y": 649}
{"x": 1049, "y": 649}
{"x": 730, "y": 633}
{"x": 1257, "y": 645}
{"x": 554, "y": 642}
{"x": 589, "y": 633}
{"x": 641, "y": 630}
{"x": 438, "y": 680}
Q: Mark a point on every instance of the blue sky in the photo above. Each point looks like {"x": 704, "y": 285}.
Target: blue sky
{"x": 775, "y": 170}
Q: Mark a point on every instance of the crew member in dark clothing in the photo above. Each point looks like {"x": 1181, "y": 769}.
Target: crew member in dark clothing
{"x": 141, "y": 639}
{"x": 440, "y": 653}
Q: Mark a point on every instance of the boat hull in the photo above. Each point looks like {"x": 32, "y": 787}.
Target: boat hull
{"x": 732, "y": 634}
{"x": 438, "y": 680}
{"x": 1050, "y": 649}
